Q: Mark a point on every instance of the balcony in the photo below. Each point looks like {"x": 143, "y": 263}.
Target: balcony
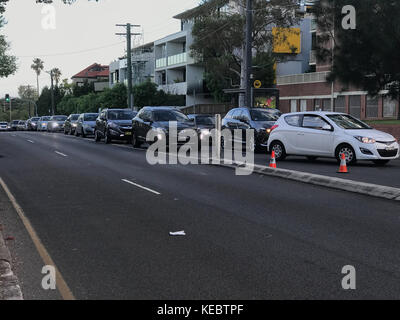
{"x": 161, "y": 63}
{"x": 174, "y": 88}
{"x": 177, "y": 59}
{"x": 303, "y": 78}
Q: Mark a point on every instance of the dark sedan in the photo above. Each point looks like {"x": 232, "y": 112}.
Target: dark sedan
{"x": 158, "y": 120}
{"x": 114, "y": 124}
{"x": 204, "y": 123}
{"x": 260, "y": 120}
{"x": 32, "y": 124}
{"x": 70, "y": 124}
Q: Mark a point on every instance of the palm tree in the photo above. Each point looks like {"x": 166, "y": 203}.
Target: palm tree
{"x": 38, "y": 66}
{"x": 56, "y": 75}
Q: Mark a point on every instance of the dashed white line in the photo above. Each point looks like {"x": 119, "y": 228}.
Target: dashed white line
{"x": 61, "y": 154}
{"x": 30, "y": 141}
{"x": 141, "y": 187}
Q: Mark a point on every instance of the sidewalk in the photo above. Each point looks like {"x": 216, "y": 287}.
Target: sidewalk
{"x": 9, "y": 283}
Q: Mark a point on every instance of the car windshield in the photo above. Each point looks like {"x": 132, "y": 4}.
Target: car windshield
{"x": 120, "y": 115}
{"x": 45, "y": 118}
{"x": 169, "y": 115}
{"x": 264, "y": 115}
{"x": 347, "y": 122}
{"x": 91, "y": 117}
{"x": 3, "y": 123}
{"x": 15, "y": 122}
{"x": 35, "y": 119}
{"x": 59, "y": 118}
{"x": 205, "y": 120}
{"x": 74, "y": 117}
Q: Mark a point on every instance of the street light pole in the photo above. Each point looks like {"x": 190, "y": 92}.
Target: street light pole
{"x": 52, "y": 92}
{"x": 249, "y": 29}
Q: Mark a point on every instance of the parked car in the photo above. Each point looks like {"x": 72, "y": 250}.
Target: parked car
{"x": 330, "y": 134}
{"x": 42, "y": 123}
{"x": 260, "y": 120}
{"x": 71, "y": 124}
{"x": 21, "y": 125}
{"x": 4, "y": 126}
{"x": 32, "y": 123}
{"x": 14, "y": 125}
{"x": 86, "y": 124}
{"x": 114, "y": 124}
{"x": 158, "y": 120}
{"x": 203, "y": 123}
{"x": 56, "y": 123}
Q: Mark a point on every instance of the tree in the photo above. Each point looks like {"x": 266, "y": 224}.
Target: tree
{"x": 56, "y": 75}
{"x": 219, "y": 38}
{"x": 366, "y": 56}
{"x": 81, "y": 90}
{"x": 37, "y": 66}
{"x": 27, "y": 92}
{"x": 8, "y": 65}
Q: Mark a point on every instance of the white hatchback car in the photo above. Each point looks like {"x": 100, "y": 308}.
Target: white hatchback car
{"x": 330, "y": 134}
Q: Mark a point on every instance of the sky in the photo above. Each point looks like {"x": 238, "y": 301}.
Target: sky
{"x": 84, "y": 34}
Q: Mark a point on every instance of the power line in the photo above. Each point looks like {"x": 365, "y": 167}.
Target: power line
{"x": 71, "y": 53}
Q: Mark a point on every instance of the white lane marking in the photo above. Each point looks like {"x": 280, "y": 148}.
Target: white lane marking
{"x": 177, "y": 234}
{"x": 30, "y": 141}
{"x": 139, "y": 186}
{"x": 61, "y": 154}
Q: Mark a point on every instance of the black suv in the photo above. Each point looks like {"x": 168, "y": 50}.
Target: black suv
{"x": 114, "y": 124}
{"x": 158, "y": 120}
{"x": 258, "y": 119}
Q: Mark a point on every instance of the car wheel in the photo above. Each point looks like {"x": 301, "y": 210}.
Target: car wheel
{"x": 107, "y": 139}
{"x": 83, "y": 133}
{"x": 135, "y": 141}
{"x": 381, "y": 163}
{"x": 65, "y": 132}
{"x": 279, "y": 149}
{"x": 96, "y": 136}
{"x": 76, "y": 133}
{"x": 349, "y": 153}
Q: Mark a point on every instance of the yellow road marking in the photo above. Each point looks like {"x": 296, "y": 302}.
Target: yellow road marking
{"x": 60, "y": 282}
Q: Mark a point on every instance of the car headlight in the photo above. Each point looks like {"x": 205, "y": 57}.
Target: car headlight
{"x": 74, "y": 125}
{"x": 55, "y": 125}
{"x": 268, "y": 130}
{"x": 365, "y": 139}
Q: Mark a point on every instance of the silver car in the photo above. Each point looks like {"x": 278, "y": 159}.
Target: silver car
{"x": 85, "y": 125}
{"x": 56, "y": 123}
{"x": 42, "y": 123}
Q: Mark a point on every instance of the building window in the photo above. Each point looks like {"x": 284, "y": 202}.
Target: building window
{"x": 293, "y": 105}
{"x": 317, "y": 105}
{"x": 303, "y": 105}
{"x": 326, "y": 105}
{"x": 389, "y": 107}
{"x": 340, "y": 104}
{"x": 372, "y": 107}
{"x": 355, "y": 106}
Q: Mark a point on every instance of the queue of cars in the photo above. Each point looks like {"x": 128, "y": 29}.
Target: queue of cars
{"x": 310, "y": 134}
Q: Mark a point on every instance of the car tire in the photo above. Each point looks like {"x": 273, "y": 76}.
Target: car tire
{"x": 76, "y": 133}
{"x": 96, "y": 136}
{"x": 107, "y": 139}
{"x": 349, "y": 153}
{"x": 135, "y": 141}
{"x": 381, "y": 163}
{"x": 82, "y": 133}
{"x": 280, "y": 151}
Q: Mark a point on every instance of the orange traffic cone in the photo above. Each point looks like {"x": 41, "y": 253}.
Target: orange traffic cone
{"x": 343, "y": 165}
{"x": 272, "y": 163}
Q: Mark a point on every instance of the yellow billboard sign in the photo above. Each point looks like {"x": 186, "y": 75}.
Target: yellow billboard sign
{"x": 287, "y": 40}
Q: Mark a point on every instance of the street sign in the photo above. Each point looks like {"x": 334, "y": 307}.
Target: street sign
{"x": 257, "y": 84}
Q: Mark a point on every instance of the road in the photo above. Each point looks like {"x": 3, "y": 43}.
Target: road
{"x": 247, "y": 237}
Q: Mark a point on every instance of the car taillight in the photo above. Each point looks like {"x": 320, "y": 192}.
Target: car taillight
{"x": 274, "y": 127}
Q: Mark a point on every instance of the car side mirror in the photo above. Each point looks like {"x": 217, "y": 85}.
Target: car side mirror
{"x": 327, "y": 127}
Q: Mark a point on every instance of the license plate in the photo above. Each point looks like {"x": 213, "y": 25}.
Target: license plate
{"x": 128, "y": 133}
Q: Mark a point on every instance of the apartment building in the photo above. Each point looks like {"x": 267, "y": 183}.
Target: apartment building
{"x": 142, "y": 66}
{"x": 310, "y": 91}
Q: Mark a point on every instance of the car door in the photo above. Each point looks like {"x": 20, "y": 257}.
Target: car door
{"x": 316, "y": 136}
{"x": 290, "y": 133}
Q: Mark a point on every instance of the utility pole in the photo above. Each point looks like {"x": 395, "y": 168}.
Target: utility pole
{"x": 249, "y": 56}
{"x": 52, "y": 92}
{"x": 129, "y": 35}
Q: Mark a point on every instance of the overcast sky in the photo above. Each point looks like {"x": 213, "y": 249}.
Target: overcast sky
{"x": 84, "y": 34}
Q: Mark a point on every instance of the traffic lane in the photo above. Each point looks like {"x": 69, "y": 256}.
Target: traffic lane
{"x": 246, "y": 233}
{"x": 363, "y": 171}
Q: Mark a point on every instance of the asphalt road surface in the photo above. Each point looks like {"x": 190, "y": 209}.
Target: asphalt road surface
{"x": 104, "y": 215}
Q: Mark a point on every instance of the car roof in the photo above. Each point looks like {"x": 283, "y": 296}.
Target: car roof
{"x": 161, "y": 108}
{"x": 319, "y": 113}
